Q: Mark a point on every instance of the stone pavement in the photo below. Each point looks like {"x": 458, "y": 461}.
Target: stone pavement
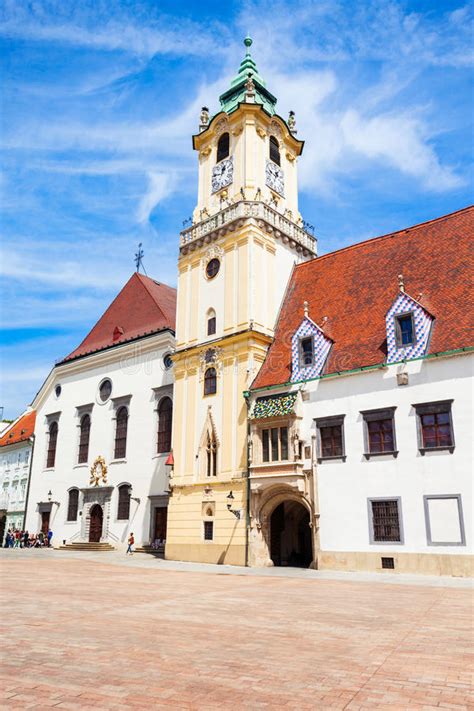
{"x": 80, "y": 632}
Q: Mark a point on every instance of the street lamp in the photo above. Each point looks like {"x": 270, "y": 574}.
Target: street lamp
{"x": 230, "y": 501}
{"x": 50, "y": 495}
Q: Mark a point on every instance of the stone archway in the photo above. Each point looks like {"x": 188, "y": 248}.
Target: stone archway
{"x": 282, "y": 529}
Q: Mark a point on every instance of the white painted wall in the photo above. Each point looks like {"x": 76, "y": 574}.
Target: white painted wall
{"x": 344, "y": 487}
{"x": 135, "y": 370}
{"x": 14, "y": 472}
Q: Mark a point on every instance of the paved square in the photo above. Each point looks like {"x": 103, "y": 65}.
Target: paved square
{"x": 80, "y": 633}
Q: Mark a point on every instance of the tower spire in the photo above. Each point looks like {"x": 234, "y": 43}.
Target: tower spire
{"x": 236, "y": 94}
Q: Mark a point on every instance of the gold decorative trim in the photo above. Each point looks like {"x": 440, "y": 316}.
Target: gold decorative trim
{"x": 96, "y": 475}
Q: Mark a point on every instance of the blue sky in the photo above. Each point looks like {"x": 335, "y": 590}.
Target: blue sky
{"x": 99, "y": 102}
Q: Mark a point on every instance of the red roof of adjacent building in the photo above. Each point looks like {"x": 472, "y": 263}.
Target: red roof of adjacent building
{"x": 20, "y": 430}
{"x": 144, "y": 306}
{"x": 350, "y": 291}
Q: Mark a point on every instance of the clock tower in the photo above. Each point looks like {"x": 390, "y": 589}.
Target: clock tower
{"x": 234, "y": 263}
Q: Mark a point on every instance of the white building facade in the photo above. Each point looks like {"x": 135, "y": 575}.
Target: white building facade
{"x": 361, "y": 436}
{"x": 16, "y": 445}
{"x": 103, "y": 428}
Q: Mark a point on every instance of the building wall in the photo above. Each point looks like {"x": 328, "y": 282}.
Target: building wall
{"x": 139, "y": 379}
{"x": 344, "y": 487}
{"x": 14, "y": 473}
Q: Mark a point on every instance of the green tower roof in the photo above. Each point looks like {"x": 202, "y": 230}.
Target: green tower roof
{"x": 231, "y": 98}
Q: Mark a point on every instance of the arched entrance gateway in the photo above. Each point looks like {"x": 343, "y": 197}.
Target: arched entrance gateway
{"x": 95, "y": 525}
{"x": 290, "y": 535}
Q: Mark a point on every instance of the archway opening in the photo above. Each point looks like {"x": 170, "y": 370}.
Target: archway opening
{"x": 96, "y": 520}
{"x": 290, "y": 535}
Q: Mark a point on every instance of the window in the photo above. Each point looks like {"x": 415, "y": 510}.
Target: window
{"x": 331, "y": 437}
{"x": 211, "y": 322}
{"x": 275, "y": 444}
{"x": 52, "y": 443}
{"x": 73, "y": 505}
{"x": 223, "y": 147}
{"x": 444, "y": 520}
{"x": 208, "y": 530}
{"x": 211, "y": 455}
{"x": 274, "y": 150}
{"x": 121, "y": 433}
{"x": 105, "y": 390}
{"x": 379, "y": 432}
{"x": 84, "y": 439}
{"x": 123, "y": 509}
{"x": 384, "y": 518}
{"x": 57, "y": 390}
{"x": 405, "y": 330}
{"x": 167, "y": 361}
{"x": 435, "y": 426}
{"x": 212, "y": 268}
{"x": 165, "y": 418}
{"x": 210, "y": 382}
{"x": 306, "y": 352}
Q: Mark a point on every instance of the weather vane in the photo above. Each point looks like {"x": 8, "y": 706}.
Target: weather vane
{"x": 139, "y": 258}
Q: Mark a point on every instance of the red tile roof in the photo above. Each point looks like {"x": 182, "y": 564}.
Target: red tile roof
{"x": 350, "y": 291}
{"x": 20, "y": 430}
{"x": 143, "y": 307}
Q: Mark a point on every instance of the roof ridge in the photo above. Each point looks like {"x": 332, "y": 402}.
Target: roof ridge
{"x": 387, "y": 235}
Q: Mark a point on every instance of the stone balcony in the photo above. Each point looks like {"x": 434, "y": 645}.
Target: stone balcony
{"x": 235, "y": 216}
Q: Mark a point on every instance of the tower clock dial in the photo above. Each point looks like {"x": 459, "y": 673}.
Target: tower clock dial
{"x": 222, "y": 174}
{"x": 274, "y": 177}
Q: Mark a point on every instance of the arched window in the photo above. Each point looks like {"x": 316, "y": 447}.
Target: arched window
{"x": 84, "y": 439}
{"x": 52, "y": 442}
{"x": 211, "y": 322}
{"x": 210, "y": 382}
{"x": 121, "y": 433}
{"x": 123, "y": 510}
{"x": 223, "y": 147}
{"x": 211, "y": 455}
{"x": 274, "y": 150}
{"x": 165, "y": 418}
{"x": 73, "y": 505}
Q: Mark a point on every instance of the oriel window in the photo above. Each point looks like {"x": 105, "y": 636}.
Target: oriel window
{"x": 275, "y": 444}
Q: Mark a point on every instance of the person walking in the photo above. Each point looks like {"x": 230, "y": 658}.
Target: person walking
{"x": 50, "y": 535}
{"x": 131, "y": 542}
{"x": 26, "y": 537}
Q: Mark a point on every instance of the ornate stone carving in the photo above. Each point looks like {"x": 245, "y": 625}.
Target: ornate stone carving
{"x": 275, "y": 129}
{"x": 214, "y": 252}
{"x": 260, "y": 131}
{"x": 210, "y": 357}
{"x": 221, "y": 126}
{"x": 98, "y": 471}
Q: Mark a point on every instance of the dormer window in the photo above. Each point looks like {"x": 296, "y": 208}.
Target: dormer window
{"x": 223, "y": 147}
{"x": 274, "y": 150}
{"x": 405, "y": 330}
{"x": 306, "y": 351}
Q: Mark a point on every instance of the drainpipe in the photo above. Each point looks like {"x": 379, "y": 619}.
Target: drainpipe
{"x": 31, "y": 439}
{"x": 247, "y": 514}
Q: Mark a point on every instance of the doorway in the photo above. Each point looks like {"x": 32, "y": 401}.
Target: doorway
{"x": 95, "y": 526}
{"x": 161, "y": 519}
{"x": 290, "y": 535}
{"x": 45, "y": 515}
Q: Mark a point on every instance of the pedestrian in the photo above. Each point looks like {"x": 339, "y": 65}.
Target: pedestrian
{"x": 17, "y": 538}
{"x": 50, "y": 535}
{"x": 131, "y": 542}
{"x": 25, "y": 539}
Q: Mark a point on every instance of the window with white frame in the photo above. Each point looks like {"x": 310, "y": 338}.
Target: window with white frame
{"x": 444, "y": 520}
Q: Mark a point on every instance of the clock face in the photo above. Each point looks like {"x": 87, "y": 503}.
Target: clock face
{"x": 222, "y": 174}
{"x": 274, "y": 177}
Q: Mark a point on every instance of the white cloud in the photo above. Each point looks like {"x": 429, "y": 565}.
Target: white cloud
{"x": 159, "y": 187}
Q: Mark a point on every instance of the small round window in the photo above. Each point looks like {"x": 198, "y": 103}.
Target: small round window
{"x": 105, "y": 390}
{"x": 57, "y": 390}
{"x": 212, "y": 268}
{"x": 167, "y": 361}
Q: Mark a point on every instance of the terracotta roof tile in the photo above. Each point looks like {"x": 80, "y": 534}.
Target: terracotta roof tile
{"x": 355, "y": 286}
{"x": 20, "y": 430}
{"x": 142, "y": 307}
